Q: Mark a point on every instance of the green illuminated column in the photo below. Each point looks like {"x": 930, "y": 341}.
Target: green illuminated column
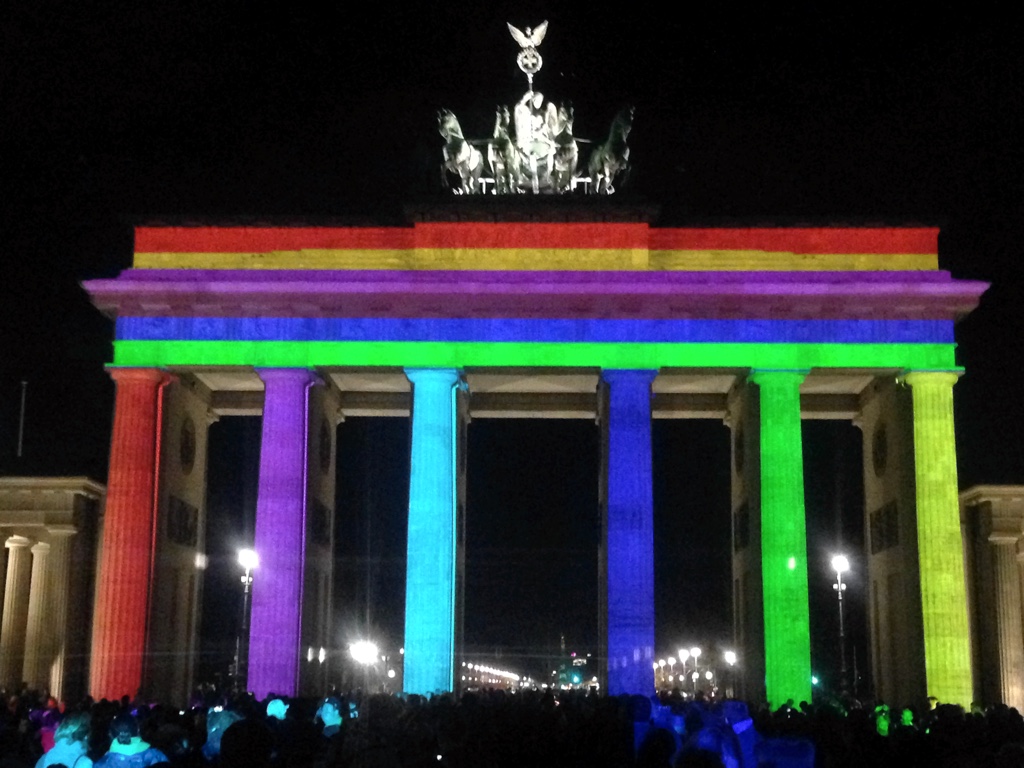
{"x": 947, "y": 656}
{"x": 787, "y": 640}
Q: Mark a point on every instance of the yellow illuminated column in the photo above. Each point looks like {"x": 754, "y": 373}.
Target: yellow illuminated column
{"x": 787, "y": 640}
{"x": 947, "y": 653}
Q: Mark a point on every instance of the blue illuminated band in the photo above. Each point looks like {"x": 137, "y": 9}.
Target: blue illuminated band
{"x": 608, "y": 330}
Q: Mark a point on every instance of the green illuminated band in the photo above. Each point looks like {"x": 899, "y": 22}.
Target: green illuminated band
{"x": 787, "y": 635}
{"x": 947, "y": 654}
{"x": 291, "y": 354}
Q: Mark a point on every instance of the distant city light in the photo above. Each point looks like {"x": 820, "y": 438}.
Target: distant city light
{"x": 730, "y": 657}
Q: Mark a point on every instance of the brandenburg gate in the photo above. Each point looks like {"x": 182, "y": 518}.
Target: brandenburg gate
{"x": 612, "y": 319}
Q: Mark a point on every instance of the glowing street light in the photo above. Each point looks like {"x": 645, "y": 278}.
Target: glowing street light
{"x": 840, "y": 564}
{"x": 250, "y": 561}
{"x": 683, "y": 656}
{"x": 364, "y": 652}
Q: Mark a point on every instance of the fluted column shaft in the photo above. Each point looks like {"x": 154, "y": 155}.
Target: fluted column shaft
{"x": 122, "y": 593}
{"x": 630, "y": 532}
{"x": 1008, "y": 620}
{"x": 280, "y": 542}
{"x": 15, "y": 616}
{"x": 787, "y": 640}
{"x": 947, "y": 655}
{"x": 431, "y": 547}
{"x": 58, "y": 566}
{"x": 36, "y": 634}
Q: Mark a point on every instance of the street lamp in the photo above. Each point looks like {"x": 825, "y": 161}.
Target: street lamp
{"x": 695, "y": 677}
{"x": 249, "y": 560}
{"x": 730, "y": 659}
{"x": 683, "y": 656}
{"x": 840, "y": 564}
{"x": 365, "y": 653}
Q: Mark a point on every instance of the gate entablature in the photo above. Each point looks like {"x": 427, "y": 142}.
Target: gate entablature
{"x": 764, "y": 326}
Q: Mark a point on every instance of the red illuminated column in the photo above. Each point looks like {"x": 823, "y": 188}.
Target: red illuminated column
{"x": 274, "y": 637}
{"x": 122, "y": 594}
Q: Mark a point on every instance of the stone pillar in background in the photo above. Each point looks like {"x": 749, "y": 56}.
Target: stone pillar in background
{"x": 15, "y": 615}
{"x": 1008, "y": 619}
{"x": 57, "y": 610}
{"x": 123, "y": 588}
{"x": 36, "y": 669}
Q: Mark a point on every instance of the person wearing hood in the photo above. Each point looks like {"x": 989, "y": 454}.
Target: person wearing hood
{"x": 127, "y": 749}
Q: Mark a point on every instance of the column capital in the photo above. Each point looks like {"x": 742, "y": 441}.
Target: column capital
{"x": 611, "y": 375}
{"x": 61, "y": 531}
{"x": 763, "y": 376}
{"x": 1003, "y": 538}
{"x": 153, "y": 375}
{"x": 931, "y": 378}
{"x": 304, "y": 375}
{"x": 17, "y": 542}
{"x": 40, "y": 548}
{"x": 433, "y": 375}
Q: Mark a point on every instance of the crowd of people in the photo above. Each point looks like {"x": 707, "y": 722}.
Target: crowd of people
{"x": 495, "y": 728}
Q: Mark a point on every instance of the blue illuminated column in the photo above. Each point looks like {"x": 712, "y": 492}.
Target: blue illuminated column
{"x": 274, "y": 644}
{"x": 431, "y": 562}
{"x": 629, "y": 533}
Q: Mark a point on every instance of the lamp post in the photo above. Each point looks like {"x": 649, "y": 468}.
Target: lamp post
{"x": 840, "y": 564}
{"x": 683, "y": 656}
{"x": 249, "y": 560}
{"x": 730, "y": 659}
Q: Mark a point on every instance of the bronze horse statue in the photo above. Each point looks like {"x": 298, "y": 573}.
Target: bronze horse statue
{"x": 611, "y": 158}
{"x": 503, "y": 156}
{"x": 566, "y": 150}
{"x": 460, "y": 157}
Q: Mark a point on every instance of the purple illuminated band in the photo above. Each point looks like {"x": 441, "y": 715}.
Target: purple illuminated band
{"x": 629, "y": 533}
{"x": 274, "y": 638}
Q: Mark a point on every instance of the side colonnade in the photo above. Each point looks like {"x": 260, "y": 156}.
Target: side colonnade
{"x": 760, "y": 328}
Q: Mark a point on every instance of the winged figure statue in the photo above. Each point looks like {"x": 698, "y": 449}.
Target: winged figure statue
{"x": 531, "y": 38}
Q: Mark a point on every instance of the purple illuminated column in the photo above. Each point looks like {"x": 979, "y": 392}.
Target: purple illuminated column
{"x": 629, "y": 533}
{"x": 280, "y": 534}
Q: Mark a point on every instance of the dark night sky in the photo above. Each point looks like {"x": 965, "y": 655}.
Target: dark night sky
{"x": 114, "y": 112}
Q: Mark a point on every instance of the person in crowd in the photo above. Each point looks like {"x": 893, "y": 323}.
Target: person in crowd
{"x": 127, "y": 749}
{"x": 218, "y": 720}
{"x": 71, "y": 743}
